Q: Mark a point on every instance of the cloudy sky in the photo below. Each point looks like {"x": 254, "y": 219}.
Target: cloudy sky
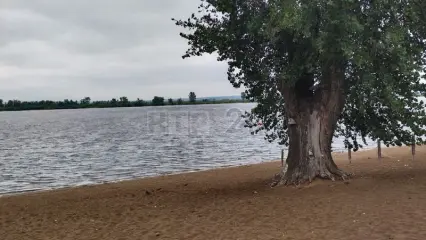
{"x": 57, "y": 49}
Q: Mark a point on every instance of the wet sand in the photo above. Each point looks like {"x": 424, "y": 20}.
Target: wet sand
{"x": 385, "y": 200}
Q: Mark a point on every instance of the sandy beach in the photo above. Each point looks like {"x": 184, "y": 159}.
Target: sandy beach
{"x": 385, "y": 200}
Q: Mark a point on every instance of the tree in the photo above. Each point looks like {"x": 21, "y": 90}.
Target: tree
{"x": 139, "y": 102}
{"x": 114, "y": 102}
{"x": 170, "y": 101}
{"x": 318, "y": 69}
{"x": 124, "y": 101}
{"x": 192, "y": 97}
{"x": 85, "y": 101}
{"x": 158, "y": 101}
{"x": 180, "y": 101}
{"x": 243, "y": 96}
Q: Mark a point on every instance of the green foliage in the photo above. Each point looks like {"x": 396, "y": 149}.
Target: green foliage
{"x": 192, "y": 97}
{"x": 16, "y": 105}
{"x": 85, "y": 101}
{"x": 140, "y": 103}
{"x": 114, "y": 102}
{"x": 124, "y": 102}
{"x": 243, "y": 96}
{"x": 270, "y": 45}
{"x": 157, "y": 101}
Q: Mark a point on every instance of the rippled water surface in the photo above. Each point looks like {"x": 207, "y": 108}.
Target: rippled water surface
{"x": 52, "y": 149}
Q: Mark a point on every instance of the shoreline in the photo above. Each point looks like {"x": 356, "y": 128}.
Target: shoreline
{"x": 384, "y": 200}
{"x": 217, "y": 102}
{"x": 341, "y": 154}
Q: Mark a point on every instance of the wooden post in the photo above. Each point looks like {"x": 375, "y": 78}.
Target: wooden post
{"x": 350, "y": 155}
{"x": 413, "y": 148}
{"x": 379, "y": 150}
{"x": 282, "y": 157}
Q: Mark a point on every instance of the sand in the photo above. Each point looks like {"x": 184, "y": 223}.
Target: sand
{"x": 383, "y": 201}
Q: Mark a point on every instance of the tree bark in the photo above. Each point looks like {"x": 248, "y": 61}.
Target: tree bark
{"x": 315, "y": 116}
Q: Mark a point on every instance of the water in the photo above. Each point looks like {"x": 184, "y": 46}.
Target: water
{"x": 52, "y": 149}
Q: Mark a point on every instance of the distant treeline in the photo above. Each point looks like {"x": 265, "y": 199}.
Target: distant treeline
{"x": 16, "y": 105}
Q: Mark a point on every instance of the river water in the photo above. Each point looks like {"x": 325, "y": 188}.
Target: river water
{"x": 42, "y": 150}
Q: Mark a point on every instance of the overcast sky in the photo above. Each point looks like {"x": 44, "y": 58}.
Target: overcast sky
{"x": 57, "y": 49}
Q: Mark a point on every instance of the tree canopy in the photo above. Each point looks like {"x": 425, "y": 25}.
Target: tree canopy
{"x": 243, "y": 96}
{"x": 275, "y": 46}
{"x": 192, "y": 97}
{"x": 157, "y": 101}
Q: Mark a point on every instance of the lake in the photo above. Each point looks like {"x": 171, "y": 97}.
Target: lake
{"x": 60, "y": 148}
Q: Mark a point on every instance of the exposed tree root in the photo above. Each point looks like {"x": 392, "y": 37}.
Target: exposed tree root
{"x": 297, "y": 177}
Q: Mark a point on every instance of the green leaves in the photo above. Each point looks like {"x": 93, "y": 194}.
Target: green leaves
{"x": 192, "y": 97}
{"x": 271, "y": 44}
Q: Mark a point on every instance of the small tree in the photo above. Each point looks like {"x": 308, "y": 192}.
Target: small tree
{"x": 85, "y": 101}
{"x": 158, "y": 101}
{"x": 180, "y": 101}
{"x": 139, "y": 102}
{"x": 192, "y": 97}
{"x": 124, "y": 101}
{"x": 243, "y": 96}
{"x": 171, "y": 101}
{"x": 114, "y": 102}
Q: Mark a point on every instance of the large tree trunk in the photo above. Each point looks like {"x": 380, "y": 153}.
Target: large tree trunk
{"x": 312, "y": 120}
{"x": 309, "y": 154}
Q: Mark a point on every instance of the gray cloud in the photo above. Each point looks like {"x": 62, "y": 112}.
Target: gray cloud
{"x": 56, "y": 49}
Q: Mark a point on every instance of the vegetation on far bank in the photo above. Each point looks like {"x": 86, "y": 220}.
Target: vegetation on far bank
{"x": 17, "y": 105}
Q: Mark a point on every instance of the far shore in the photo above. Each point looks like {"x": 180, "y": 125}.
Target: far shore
{"x": 384, "y": 200}
{"x": 19, "y": 106}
